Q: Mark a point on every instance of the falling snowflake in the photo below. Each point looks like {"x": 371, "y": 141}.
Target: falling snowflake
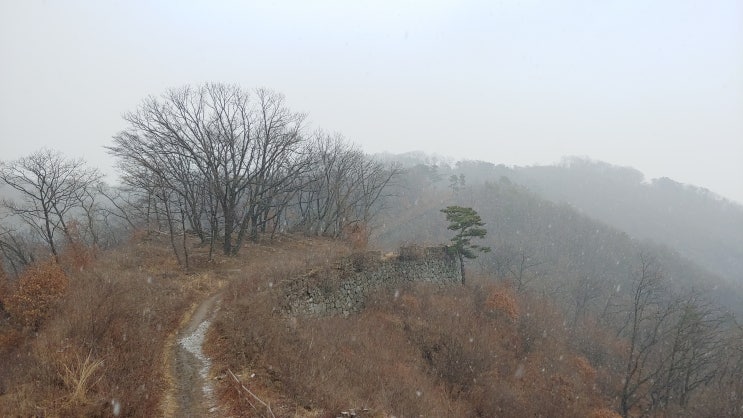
{"x": 115, "y": 407}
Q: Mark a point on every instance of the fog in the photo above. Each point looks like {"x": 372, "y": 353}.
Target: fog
{"x": 658, "y": 87}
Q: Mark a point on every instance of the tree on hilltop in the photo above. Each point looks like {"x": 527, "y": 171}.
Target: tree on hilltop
{"x": 468, "y": 224}
{"x": 229, "y": 164}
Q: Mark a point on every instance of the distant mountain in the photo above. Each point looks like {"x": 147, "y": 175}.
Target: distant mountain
{"x": 580, "y": 224}
{"x": 702, "y": 226}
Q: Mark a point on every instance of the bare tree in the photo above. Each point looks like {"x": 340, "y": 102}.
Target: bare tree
{"x": 119, "y": 205}
{"x": 729, "y": 368}
{"x": 374, "y": 178}
{"x": 277, "y": 159}
{"x": 345, "y": 187}
{"x": 584, "y": 291}
{"x": 15, "y": 250}
{"x": 647, "y": 321}
{"x": 691, "y": 351}
{"x": 50, "y": 187}
{"x": 324, "y": 204}
{"x": 218, "y": 148}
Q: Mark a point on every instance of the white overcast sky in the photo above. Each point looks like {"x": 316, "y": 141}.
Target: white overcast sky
{"x": 657, "y": 85}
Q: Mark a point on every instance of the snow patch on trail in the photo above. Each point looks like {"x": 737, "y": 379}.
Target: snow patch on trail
{"x": 193, "y": 344}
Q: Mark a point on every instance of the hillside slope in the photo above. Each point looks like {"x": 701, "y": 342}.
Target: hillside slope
{"x": 540, "y": 238}
{"x": 481, "y": 350}
{"x": 700, "y": 225}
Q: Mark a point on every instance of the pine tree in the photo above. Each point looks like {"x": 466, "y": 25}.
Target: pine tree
{"x": 468, "y": 224}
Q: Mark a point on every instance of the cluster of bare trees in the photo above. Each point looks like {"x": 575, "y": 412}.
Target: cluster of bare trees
{"x": 49, "y": 200}
{"x": 214, "y": 161}
{"x": 227, "y": 164}
{"x": 50, "y": 187}
{"x": 676, "y": 345}
{"x": 343, "y": 187}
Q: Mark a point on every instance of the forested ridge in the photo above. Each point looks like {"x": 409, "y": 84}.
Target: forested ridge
{"x": 700, "y": 225}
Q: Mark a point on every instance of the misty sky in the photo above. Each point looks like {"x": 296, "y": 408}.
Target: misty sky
{"x": 657, "y": 85}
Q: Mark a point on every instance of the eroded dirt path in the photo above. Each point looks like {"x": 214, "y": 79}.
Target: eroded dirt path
{"x": 192, "y": 389}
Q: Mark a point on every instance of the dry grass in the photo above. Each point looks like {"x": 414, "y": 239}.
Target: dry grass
{"x": 122, "y": 310}
{"x": 415, "y": 351}
{"x": 420, "y": 350}
{"x": 78, "y": 376}
{"x": 98, "y": 338}
{"x": 98, "y": 346}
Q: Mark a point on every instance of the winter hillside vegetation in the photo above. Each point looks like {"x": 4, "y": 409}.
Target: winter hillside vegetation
{"x": 245, "y": 265}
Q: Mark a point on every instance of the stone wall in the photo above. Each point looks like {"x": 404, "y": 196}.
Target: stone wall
{"x": 343, "y": 289}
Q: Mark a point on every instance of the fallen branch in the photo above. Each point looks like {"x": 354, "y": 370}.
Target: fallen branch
{"x": 268, "y": 407}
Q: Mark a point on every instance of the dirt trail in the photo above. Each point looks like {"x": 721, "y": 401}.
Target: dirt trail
{"x": 190, "y": 366}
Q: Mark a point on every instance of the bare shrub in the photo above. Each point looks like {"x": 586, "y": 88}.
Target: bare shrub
{"x": 76, "y": 255}
{"x": 38, "y": 288}
{"x": 541, "y": 324}
{"x": 357, "y": 235}
{"x": 501, "y": 301}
